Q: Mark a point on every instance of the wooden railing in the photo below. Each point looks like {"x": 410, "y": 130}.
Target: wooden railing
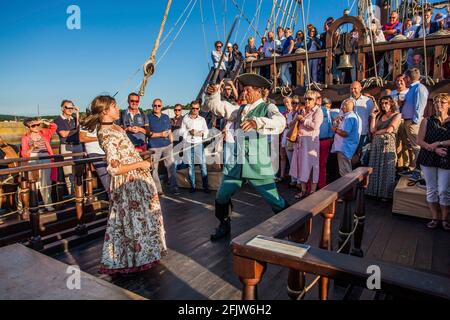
{"x": 362, "y": 54}
{"x": 295, "y": 223}
{"x": 83, "y": 175}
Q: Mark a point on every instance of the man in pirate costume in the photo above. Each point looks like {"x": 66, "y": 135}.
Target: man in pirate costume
{"x": 257, "y": 120}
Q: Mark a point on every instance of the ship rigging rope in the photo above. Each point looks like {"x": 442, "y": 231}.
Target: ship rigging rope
{"x": 276, "y": 16}
{"x": 258, "y": 13}
{"x": 241, "y": 14}
{"x": 127, "y": 82}
{"x": 308, "y": 75}
{"x": 251, "y": 24}
{"x": 205, "y": 39}
{"x": 215, "y": 20}
{"x": 284, "y": 24}
{"x": 177, "y": 34}
{"x": 269, "y": 21}
{"x": 176, "y": 23}
{"x": 378, "y": 80}
{"x": 353, "y": 4}
{"x": 149, "y": 67}
{"x": 224, "y": 22}
{"x": 284, "y": 12}
{"x": 239, "y": 23}
{"x": 294, "y": 16}
{"x": 428, "y": 79}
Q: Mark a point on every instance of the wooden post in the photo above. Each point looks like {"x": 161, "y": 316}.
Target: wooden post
{"x": 438, "y": 63}
{"x": 300, "y": 72}
{"x": 79, "y": 198}
{"x": 35, "y": 240}
{"x": 296, "y": 278}
{"x": 329, "y": 67}
{"x": 361, "y": 67}
{"x": 89, "y": 183}
{"x": 250, "y": 273}
{"x": 24, "y": 196}
{"x": 397, "y": 59}
{"x": 61, "y": 183}
{"x": 360, "y": 214}
{"x": 326, "y": 244}
{"x": 273, "y": 74}
{"x": 346, "y": 222}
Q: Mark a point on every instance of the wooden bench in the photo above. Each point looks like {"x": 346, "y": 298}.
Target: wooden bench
{"x": 30, "y": 275}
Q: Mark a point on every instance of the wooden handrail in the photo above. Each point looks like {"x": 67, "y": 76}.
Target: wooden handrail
{"x": 64, "y": 155}
{"x": 59, "y": 164}
{"x": 295, "y": 223}
{"x": 249, "y": 261}
{"x": 398, "y": 280}
{"x": 295, "y": 216}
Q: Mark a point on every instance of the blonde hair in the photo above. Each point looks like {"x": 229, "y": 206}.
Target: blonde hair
{"x": 98, "y": 106}
{"x": 442, "y": 96}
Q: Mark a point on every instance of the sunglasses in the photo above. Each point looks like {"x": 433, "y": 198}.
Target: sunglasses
{"x": 157, "y": 106}
{"x": 34, "y": 125}
{"x": 68, "y": 108}
{"x": 134, "y": 101}
{"x": 195, "y": 108}
{"x": 177, "y": 109}
{"x": 295, "y": 102}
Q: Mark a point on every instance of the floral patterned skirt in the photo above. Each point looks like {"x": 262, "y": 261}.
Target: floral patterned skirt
{"x": 135, "y": 237}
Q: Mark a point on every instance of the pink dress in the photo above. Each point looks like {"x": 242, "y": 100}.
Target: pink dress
{"x": 306, "y": 149}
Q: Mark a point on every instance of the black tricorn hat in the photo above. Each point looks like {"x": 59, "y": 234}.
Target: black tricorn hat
{"x": 254, "y": 80}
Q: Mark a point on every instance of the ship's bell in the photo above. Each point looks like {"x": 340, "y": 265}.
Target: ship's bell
{"x": 344, "y": 62}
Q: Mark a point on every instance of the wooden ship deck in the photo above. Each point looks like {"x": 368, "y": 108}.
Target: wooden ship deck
{"x": 196, "y": 268}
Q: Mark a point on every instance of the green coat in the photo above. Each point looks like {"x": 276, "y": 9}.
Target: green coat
{"x": 254, "y": 161}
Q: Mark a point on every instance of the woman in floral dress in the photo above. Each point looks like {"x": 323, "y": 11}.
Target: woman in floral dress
{"x": 135, "y": 237}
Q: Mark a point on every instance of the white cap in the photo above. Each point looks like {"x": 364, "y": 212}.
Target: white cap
{"x": 229, "y": 45}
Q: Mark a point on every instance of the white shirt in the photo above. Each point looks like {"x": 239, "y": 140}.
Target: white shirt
{"x": 198, "y": 124}
{"x": 92, "y": 147}
{"x": 399, "y": 96}
{"x": 274, "y": 123}
{"x": 363, "y": 108}
{"x": 216, "y": 55}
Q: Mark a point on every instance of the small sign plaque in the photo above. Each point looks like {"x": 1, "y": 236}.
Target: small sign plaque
{"x": 294, "y": 249}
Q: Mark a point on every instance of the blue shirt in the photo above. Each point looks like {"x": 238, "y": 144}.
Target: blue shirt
{"x": 68, "y": 124}
{"x": 415, "y": 102}
{"x": 157, "y": 125}
{"x": 349, "y": 144}
{"x": 286, "y": 45}
{"x": 138, "y": 120}
{"x": 325, "y": 127}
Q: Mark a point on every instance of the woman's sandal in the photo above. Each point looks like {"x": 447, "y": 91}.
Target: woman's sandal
{"x": 433, "y": 224}
{"x": 445, "y": 225}
{"x": 301, "y": 195}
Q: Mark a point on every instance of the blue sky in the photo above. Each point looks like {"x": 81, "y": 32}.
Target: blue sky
{"x": 42, "y": 62}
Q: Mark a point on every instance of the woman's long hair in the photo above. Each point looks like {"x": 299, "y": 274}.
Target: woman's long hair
{"x": 98, "y": 105}
{"x": 391, "y": 104}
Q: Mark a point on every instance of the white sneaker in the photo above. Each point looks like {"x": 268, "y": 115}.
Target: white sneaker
{"x": 50, "y": 209}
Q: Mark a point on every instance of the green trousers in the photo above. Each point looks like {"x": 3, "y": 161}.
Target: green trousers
{"x": 266, "y": 188}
